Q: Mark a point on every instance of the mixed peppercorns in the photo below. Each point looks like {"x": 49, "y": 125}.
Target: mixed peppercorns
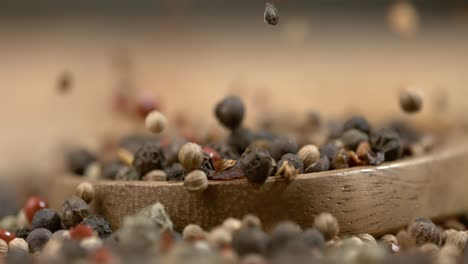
{"x": 245, "y": 153}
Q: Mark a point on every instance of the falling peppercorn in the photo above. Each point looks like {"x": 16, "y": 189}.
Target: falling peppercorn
{"x": 230, "y": 112}
{"x": 155, "y": 122}
{"x": 271, "y": 15}
{"x": 65, "y": 82}
{"x": 411, "y": 101}
{"x": 256, "y": 164}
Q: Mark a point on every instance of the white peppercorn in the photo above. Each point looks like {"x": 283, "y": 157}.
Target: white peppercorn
{"x": 18, "y": 244}
{"x": 196, "y": 181}
{"x": 457, "y": 239}
{"x": 155, "y": 122}
{"x": 251, "y": 220}
{"x": 232, "y": 224}
{"x": 309, "y": 154}
{"x": 327, "y": 225}
{"x": 91, "y": 243}
{"x": 191, "y": 156}
{"x": 85, "y": 191}
{"x": 219, "y": 237}
{"x": 155, "y": 175}
{"x": 192, "y": 233}
{"x": 3, "y": 247}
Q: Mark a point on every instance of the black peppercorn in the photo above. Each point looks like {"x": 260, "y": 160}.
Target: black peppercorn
{"x": 22, "y": 233}
{"x": 281, "y": 235}
{"x": 48, "y": 219}
{"x": 134, "y": 142}
{"x": 249, "y": 241}
{"x": 386, "y": 141}
{"x": 38, "y": 238}
{"x": 329, "y": 150}
{"x": 313, "y": 238}
{"x": 271, "y": 15}
{"x": 256, "y": 163}
{"x": 323, "y": 164}
{"x": 289, "y": 166}
{"x": 357, "y": 122}
{"x": 411, "y": 101}
{"x": 78, "y": 160}
{"x": 239, "y": 139}
{"x": 175, "y": 172}
{"x": 281, "y": 146}
{"x": 230, "y": 112}
{"x": 111, "y": 168}
{"x": 352, "y": 137}
{"x": 148, "y": 157}
{"x": 74, "y": 210}
{"x": 99, "y": 224}
{"x": 424, "y": 231}
{"x": 65, "y": 82}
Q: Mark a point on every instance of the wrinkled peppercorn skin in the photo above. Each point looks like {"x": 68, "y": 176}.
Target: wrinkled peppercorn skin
{"x": 149, "y": 157}
{"x": 230, "y": 112}
{"x": 256, "y": 164}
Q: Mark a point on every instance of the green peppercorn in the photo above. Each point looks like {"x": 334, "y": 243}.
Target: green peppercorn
{"x": 149, "y": 157}
{"x": 48, "y": 219}
{"x": 256, "y": 164}
{"x": 38, "y": 238}
{"x": 230, "y": 112}
{"x": 271, "y": 15}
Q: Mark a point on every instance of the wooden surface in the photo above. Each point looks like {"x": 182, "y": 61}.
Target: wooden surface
{"x": 364, "y": 199}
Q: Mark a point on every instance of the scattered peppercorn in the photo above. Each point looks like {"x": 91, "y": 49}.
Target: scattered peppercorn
{"x": 230, "y": 112}
{"x": 175, "y": 172}
{"x": 85, "y": 191}
{"x": 32, "y": 205}
{"x": 155, "y": 122}
{"x": 271, "y": 15}
{"x": 323, "y": 164}
{"x": 191, "y": 156}
{"x": 386, "y": 141}
{"x": 424, "y": 231}
{"x": 81, "y": 231}
{"x": 79, "y": 160}
{"x": 74, "y": 210}
{"x": 327, "y": 225}
{"x": 289, "y": 166}
{"x": 98, "y": 224}
{"x": 48, "y": 219}
{"x": 149, "y": 157}
{"x": 256, "y": 164}
{"x": 38, "y": 238}
{"x": 6, "y": 235}
{"x": 196, "y": 181}
{"x": 411, "y": 101}
{"x": 309, "y": 154}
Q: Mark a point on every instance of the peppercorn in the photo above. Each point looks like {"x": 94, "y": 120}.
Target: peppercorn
{"x": 110, "y": 169}
{"x": 81, "y": 231}
{"x": 289, "y": 166}
{"x": 256, "y": 164}
{"x": 329, "y": 150}
{"x": 340, "y": 161}
{"x": 323, "y": 164}
{"x": 98, "y": 224}
{"x": 134, "y": 142}
{"x": 424, "y": 231}
{"x": 357, "y": 122}
{"x": 352, "y": 137}
{"x": 405, "y": 240}
{"x": 457, "y": 239}
{"x": 18, "y": 256}
{"x": 367, "y": 239}
{"x": 271, "y": 15}
{"x": 74, "y": 210}
{"x": 192, "y": 233}
{"x": 175, "y": 172}
{"x": 281, "y": 235}
{"x": 281, "y": 146}
{"x": 3, "y": 247}
{"x": 8, "y": 222}
{"x": 155, "y": 175}
{"x": 85, "y": 191}
{"x": 389, "y": 240}
{"x": 327, "y": 225}
{"x": 309, "y": 154}
{"x": 171, "y": 152}
{"x": 313, "y": 238}
{"x": 155, "y": 122}
{"x": 32, "y": 205}
{"x": 430, "y": 249}
{"x": 239, "y": 139}
{"x": 249, "y": 241}
{"x": 250, "y": 221}
{"x": 145, "y": 104}
{"x": 207, "y": 165}
{"x": 79, "y": 159}
{"x": 48, "y": 219}
{"x": 149, "y": 157}
{"x": 386, "y": 141}
{"x": 93, "y": 171}
{"x": 411, "y": 101}
{"x": 220, "y": 238}
{"x": 191, "y": 156}
{"x": 196, "y": 181}
{"x": 38, "y": 238}
{"x": 22, "y": 232}
{"x": 91, "y": 244}
{"x": 230, "y": 112}
{"x": 65, "y": 82}
{"x": 232, "y": 224}
{"x": 225, "y": 151}
{"x": 224, "y": 165}
{"x": 6, "y": 235}
{"x": 212, "y": 153}
{"x": 61, "y": 235}
{"x": 125, "y": 156}
{"x": 127, "y": 174}
{"x": 18, "y": 244}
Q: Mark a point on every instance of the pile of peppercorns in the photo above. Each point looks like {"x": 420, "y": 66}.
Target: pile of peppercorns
{"x": 254, "y": 155}
{"x": 75, "y": 235}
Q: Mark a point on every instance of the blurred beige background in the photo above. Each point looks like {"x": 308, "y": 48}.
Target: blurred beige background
{"x": 334, "y": 63}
